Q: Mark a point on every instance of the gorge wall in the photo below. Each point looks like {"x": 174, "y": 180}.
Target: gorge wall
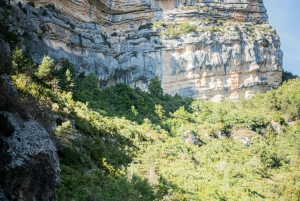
{"x": 211, "y": 49}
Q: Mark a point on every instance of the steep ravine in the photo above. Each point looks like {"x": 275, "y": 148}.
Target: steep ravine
{"x": 231, "y": 51}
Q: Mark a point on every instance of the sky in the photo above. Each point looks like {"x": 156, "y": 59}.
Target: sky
{"x": 284, "y": 16}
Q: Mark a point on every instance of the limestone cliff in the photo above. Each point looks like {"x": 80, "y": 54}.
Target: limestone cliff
{"x": 210, "y": 49}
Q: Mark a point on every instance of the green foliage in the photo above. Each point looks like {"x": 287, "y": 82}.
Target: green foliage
{"x": 270, "y": 159}
{"x": 159, "y": 23}
{"x": 121, "y": 143}
{"x": 182, "y": 28}
{"x": 87, "y": 90}
{"x": 192, "y": 8}
{"x": 45, "y": 70}
{"x": 66, "y": 76}
{"x": 286, "y": 75}
{"x": 22, "y": 62}
{"x": 155, "y": 88}
{"x": 220, "y": 22}
{"x": 64, "y": 130}
{"x": 288, "y": 99}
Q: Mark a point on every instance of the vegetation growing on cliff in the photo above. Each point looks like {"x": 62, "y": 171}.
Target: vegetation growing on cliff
{"x": 124, "y": 144}
{"x": 183, "y": 28}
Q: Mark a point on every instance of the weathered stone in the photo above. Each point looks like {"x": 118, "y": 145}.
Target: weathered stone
{"x": 29, "y": 166}
{"x": 31, "y": 169}
{"x": 234, "y": 53}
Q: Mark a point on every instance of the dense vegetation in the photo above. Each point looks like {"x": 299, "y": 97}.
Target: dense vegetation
{"x": 122, "y": 144}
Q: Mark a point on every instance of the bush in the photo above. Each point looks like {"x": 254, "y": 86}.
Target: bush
{"x": 271, "y": 159}
{"x": 159, "y": 23}
{"x": 183, "y": 28}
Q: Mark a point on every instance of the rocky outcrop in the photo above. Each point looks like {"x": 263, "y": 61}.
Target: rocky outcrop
{"x": 208, "y": 49}
{"x": 29, "y": 167}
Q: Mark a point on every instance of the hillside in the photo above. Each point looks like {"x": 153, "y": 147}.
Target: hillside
{"x": 124, "y": 144}
{"x": 92, "y": 108}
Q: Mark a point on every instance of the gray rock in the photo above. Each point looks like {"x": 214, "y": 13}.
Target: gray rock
{"x": 276, "y": 127}
{"x": 190, "y": 138}
{"x": 246, "y": 141}
{"x": 29, "y": 165}
{"x": 241, "y": 54}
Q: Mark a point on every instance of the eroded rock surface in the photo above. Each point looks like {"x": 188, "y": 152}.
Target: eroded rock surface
{"x": 232, "y": 52}
{"x": 29, "y": 163}
{"x": 29, "y": 166}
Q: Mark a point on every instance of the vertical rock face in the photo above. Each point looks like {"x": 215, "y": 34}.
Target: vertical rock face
{"x": 32, "y": 169}
{"x": 29, "y": 167}
{"x": 209, "y": 49}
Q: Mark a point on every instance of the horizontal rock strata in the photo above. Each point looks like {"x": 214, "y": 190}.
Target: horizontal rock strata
{"x": 207, "y": 49}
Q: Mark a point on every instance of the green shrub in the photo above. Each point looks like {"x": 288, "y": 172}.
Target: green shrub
{"x": 182, "y": 28}
{"x": 270, "y": 158}
{"x": 159, "y": 23}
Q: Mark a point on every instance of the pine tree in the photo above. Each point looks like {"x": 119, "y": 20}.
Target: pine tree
{"x": 22, "y": 62}
{"x": 66, "y": 76}
{"x": 69, "y": 83}
{"x": 155, "y": 88}
{"x": 45, "y": 70}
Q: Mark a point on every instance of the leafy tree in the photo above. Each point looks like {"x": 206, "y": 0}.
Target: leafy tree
{"x": 181, "y": 113}
{"x": 69, "y": 81}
